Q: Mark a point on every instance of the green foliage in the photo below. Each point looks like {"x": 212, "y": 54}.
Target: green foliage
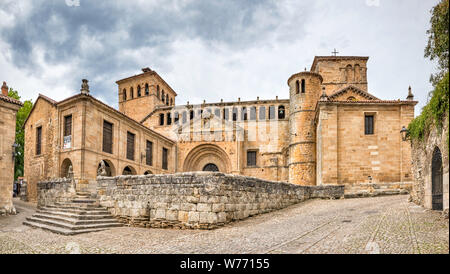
{"x": 22, "y": 115}
{"x": 433, "y": 112}
{"x": 438, "y": 39}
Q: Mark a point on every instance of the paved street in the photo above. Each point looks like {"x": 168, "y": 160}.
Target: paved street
{"x": 368, "y": 225}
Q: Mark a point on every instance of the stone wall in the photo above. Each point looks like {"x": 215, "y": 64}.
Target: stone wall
{"x": 199, "y": 199}
{"x": 55, "y": 190}
{"x": 422, "y": 154}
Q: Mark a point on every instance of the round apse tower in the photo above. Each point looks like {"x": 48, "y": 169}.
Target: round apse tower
{"x": 304, "y": 92}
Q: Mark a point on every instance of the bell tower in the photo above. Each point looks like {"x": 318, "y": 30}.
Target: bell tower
{"x": 141, "y": 94}
{"x": 304, "y": 92}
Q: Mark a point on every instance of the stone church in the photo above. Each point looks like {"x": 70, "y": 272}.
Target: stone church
{"x": 330, "y": 130}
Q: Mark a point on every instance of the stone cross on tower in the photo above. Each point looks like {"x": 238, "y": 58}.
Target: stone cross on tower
{"x": 335, "y": 52}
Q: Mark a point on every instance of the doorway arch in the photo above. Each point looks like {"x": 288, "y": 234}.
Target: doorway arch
{"x": 129, "y": 170}
{"x": 207, "y": 154}
{"x": 437, "y": 180}
{"x": 66, "y": 164}
{"x": 110, "y": 170}
{"x": 211, "y": 167}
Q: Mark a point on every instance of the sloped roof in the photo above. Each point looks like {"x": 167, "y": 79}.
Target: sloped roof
{"x": 354, "y": 89}
{"x": 10, "y": 100}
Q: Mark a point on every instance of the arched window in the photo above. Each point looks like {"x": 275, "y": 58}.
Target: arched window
{"x": 191, "y": 115}
{"x": 147, "y": 92}
{"x": 176, "y": 117}
{"x": 163, "y": 96}
{"x": 138, "y": 91}
{"x": 348, "y": 73}
{"x": 303, "y": 86}
{"x": 131, "y": 93}
{"x": 184, "y": 117}
{"x": 171, "y": 101}
{"x": 124, "y": 94}
{"x": 351, "y": 98}
{"x": 157, "y": 91}
{"x": 235, "y": 113}
{"x": 167, "y": 99}
{"x": 161, "y": 119}
{"x": 281, "y": 112}
{"x": 262, "y": 113}
{"x": 244, "y": 114}
{"x": 357, "y": 73}
{"x": 297, "y": 87}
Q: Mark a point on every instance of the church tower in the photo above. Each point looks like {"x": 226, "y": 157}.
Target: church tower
{"x": 304, "y": 92}
{"x": 139, "y": 95}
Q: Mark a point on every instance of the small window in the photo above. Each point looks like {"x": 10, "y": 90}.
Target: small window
{"x": 163, "y": 96}
{"x": 161, "y": 119}
{"x": 303, "y": 86}
{"x": 157, "y": 91}
{"x": 167, "y": 99}
{"x": 271, "y": 112}
{"x": 131, "y": 93}
{"x": 176, "y": 117}
{"x": 169, "y": 119}
{"x": 217, "y": 112}
{"x": 171, "y": 101}
{"x": 191, "y": 115}
{"x": 149, "y": 153}
{"x": 184, "y": 117}
{"x": 124, "y": 94}
{"x": 164, "y": 158}
{"x": 235, "y": 113}
{"x": 297, "y": 87}
{"x": 39, "y": 140}
{"x": 251, "y": 158}
{"x": 107, "y": 136}
{"x": 68, "y": 125}
{"x": 138, "y": 91}
{"x": 244, "y": 114}
{"x": 147, "y": 91}
{"x": 262, "y": 113}
{"x": 130, "y": 145}
{"x": 369, "y": 125}
{"x": 281, "y": 112}
{"x": 226, "y": 114}
{"x": 253, "y": 113}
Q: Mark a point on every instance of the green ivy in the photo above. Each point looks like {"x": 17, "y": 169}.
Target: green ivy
{"x": 433, "y": 112}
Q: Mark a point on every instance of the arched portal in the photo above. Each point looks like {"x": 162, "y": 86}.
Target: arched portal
{"x": 65, "y": 166}
{"x": 109, "y": 168}
{"x": 128, "y": 170}
{"x": 148, "y": 172}
{"x": 437, "y": 180}
{"x": 207, "y": 156}
{"x": 211, "y": 167}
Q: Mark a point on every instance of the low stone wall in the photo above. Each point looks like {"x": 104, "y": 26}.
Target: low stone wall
{"x": 199, "y": 199}
{"x": 55, "y": 190}
{"x": 377, "y": 189}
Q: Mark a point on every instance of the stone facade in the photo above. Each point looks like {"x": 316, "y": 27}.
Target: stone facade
{"x": 422, "y": 164}
{"x": 84, "y": 153}
{"x": 316, "y": 137}
{"x": 202, "y": 200}
{"x": 8, "y": 112}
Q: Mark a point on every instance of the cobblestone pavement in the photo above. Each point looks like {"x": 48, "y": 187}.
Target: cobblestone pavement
{"x": 368, "y": 225}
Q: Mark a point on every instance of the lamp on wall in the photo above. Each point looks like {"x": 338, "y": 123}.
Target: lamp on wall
{"x": 404, "y": 132}
{"x": 14, "y": 146}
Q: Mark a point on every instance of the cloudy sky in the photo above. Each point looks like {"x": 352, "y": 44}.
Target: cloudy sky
{"x": 209, "y": 49}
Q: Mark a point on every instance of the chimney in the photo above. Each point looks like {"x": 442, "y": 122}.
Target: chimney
{"x": 410, "y": 95}
{"x": 5, "y": 89}
{"x": 146, "y": 70}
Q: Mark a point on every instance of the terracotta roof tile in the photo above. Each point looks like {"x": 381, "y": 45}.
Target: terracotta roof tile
{"x": 10, "y": 100}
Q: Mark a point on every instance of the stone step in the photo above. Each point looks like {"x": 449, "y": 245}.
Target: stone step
{"x": 75, "y": 221}
{"x": 77, "y": 215}
{"x": 65, "y": 225}
{"x": 90, "y": 211}
{"x": 76, "y": 205}
{"x": 60, "y": 230}
{"x": 83, "y": 201}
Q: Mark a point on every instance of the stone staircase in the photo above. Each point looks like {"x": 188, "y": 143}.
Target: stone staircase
{"x": 81, "y": 215}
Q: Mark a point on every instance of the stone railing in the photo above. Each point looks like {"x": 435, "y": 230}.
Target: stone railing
{"x": 199, "y": 199}
{"x": 55, "y": 190}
